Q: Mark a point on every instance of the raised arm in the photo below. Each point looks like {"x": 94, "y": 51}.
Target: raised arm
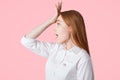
{"x": 39, "y": 29}
{"x": 40, "y": 47}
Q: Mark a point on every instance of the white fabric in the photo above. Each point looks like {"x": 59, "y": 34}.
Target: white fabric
{"x": 62, "y": 64}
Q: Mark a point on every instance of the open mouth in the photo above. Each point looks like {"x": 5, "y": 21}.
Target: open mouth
{"x": 56, "y": 35}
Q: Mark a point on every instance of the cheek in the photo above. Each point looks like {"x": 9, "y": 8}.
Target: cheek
{"x": 63, "y": 31}
{"x": 64, "y": 34}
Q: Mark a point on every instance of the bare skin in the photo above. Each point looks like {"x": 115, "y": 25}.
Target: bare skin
{"x": 39, "y": 29}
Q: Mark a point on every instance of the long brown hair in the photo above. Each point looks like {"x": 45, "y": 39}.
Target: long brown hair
{"x": 75, "y": 20}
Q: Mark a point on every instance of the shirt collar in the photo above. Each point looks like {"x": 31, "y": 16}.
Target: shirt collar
{"x": 75, "y": 49}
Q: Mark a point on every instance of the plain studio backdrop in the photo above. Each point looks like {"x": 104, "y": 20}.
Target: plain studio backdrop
{"x": 17, "y": 17}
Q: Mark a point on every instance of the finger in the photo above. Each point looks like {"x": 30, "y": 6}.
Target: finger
{"x": 59, "y": 6}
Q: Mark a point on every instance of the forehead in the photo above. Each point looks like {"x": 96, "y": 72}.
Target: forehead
{"x": 59, "y": 19}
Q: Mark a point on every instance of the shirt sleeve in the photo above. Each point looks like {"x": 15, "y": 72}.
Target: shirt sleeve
{"x": 85, "y": 70}
{"x": 38, "y": 47}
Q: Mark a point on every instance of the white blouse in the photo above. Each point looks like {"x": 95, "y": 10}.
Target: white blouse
{"x": 62, "y": 64}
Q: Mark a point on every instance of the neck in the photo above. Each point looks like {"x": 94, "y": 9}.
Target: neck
{"x": 69, "y": 44}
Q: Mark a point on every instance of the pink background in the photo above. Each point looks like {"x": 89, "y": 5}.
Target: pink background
{"x": 17, "y": 17}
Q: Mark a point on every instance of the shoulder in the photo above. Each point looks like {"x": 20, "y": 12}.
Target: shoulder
{"x": 83, "y": 56}
{"x": 84, "y": 60}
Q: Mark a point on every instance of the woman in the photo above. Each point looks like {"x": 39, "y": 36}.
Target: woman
{"x": 69, "y": 57}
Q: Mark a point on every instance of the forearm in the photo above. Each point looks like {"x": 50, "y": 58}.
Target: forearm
{"x": 39, "y": 29}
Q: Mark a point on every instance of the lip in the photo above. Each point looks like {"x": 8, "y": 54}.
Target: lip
{"x": 56, "y": 35}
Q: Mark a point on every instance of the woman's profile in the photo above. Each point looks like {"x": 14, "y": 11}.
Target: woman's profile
{"x": 69, "y": 57}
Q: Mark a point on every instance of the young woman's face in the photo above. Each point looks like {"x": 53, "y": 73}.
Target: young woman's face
{"x": 62, "y": 31}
